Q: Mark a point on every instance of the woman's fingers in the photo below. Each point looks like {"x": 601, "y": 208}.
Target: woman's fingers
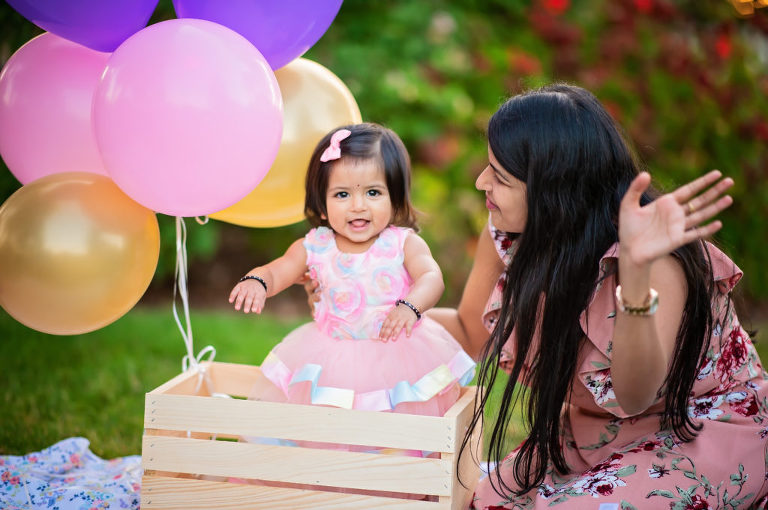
{"x": 709, "y": 196}
{"x": 709, "y": 211}
{"x": 688, "y": 191}
{"x": 701, "y": 232}
{"x": 636, "y": 188}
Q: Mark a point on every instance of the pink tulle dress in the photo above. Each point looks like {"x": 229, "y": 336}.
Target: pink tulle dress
{"x": 338, "y": 360}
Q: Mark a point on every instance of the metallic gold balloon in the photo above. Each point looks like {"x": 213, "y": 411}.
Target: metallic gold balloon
{"x": 75, "y": 253}
{"x": 314, "y": 101}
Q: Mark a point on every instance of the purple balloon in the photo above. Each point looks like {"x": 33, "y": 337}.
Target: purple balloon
{"x": 101, "y": 25}
{"x": 282, "y": 30}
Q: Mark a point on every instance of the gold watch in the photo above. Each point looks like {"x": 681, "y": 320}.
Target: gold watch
{"x": 649, "y": 306}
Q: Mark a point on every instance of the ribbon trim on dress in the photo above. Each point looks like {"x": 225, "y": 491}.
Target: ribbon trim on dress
{"x": 461, "y": 368}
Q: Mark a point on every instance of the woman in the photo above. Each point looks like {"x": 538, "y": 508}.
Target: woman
{"x": 603, "y": 300}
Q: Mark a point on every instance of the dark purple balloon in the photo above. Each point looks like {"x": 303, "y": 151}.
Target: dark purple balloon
{"x": 281, "y": 30}
{"x": 101, "y": 25}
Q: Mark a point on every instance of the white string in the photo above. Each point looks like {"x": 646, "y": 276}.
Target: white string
{"x": 180, "y": 287}
{"x": 189, "y": 361}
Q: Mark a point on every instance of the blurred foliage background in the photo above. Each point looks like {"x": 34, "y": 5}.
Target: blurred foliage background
{"x": 688, "y": 80}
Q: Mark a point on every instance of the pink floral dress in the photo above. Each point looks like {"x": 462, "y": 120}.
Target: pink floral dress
{"x": 620, "y": 462}
{"x": 338, "y": 360}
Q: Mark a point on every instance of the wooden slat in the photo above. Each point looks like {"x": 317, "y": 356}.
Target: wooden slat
{"x": 182, "y": 384}
{"x": 466, "y": 400}
{"x": 299, "y": 422}
{"x": 378, "y": 472}
{"x": 179, "y": 494}
{"x": 468, "y": 464}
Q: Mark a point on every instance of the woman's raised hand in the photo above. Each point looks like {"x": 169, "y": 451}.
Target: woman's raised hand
{"x": 652, "y": 231}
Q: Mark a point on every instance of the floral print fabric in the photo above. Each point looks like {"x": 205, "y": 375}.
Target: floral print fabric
{"x": 68, "y": 476}
{"x": 622, "y": 462}
{"x": 357, "y": 290}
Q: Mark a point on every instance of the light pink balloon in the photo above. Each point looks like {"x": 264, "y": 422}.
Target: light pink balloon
{"x": 188, "y": 117}
{"x": 46, "y": 90}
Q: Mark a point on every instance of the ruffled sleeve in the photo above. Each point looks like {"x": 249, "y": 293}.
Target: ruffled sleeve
{"x": 597, "y": 322}
{"x": 505, "y": 247}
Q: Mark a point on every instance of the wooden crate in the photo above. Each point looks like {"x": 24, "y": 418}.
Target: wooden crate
{"x": 189, "y": 464}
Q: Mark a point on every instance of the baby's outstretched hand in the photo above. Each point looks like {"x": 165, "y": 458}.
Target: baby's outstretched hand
{"x": 250, "y": 294}
{"x": 400, "y": 317}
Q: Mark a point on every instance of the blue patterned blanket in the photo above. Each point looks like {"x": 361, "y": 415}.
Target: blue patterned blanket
{"x": 68, "y": 476}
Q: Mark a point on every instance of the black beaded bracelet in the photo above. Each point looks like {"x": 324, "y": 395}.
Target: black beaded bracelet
{"x": 254, "y": 277}
{"x": 411, "y": 306}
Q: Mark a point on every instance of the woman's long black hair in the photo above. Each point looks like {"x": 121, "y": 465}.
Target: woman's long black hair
{"x": 576, "y": 165}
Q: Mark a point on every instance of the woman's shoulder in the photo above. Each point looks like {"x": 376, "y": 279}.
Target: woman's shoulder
{"x": 597, "y": 320}
{"x": 724, "y": 270}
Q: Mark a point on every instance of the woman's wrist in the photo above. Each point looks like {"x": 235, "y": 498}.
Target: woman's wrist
{"x": 634, "y": 278}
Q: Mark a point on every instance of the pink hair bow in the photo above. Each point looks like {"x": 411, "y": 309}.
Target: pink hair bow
{"x": 333, "y": 151}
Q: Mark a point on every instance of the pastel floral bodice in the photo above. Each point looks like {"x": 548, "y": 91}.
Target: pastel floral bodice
{"x": 357, "y": 290}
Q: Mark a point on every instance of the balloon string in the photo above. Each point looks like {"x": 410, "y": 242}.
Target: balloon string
{"x": 189, "y": 361}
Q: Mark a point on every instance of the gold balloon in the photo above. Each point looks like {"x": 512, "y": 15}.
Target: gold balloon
{"x": 75, "y": 253}
{"x": 314, "y": 101}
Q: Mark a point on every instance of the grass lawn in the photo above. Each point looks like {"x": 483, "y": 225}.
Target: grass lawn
{"x": 93, "y": 385}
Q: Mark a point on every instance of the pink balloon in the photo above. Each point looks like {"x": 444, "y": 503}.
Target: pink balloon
{"x": 46, "y": 90}
{"x": 188, "y": 117}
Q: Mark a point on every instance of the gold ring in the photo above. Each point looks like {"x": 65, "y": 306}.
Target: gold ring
{"x": 691, "y": 209}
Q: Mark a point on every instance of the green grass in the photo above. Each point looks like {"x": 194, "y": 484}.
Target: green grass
{"x": 93, "y": 385}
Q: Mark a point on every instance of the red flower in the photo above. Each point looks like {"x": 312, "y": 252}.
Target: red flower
{"x": 644, "y": 5}
{"x": 733, "y": 355}
{"x": 557, "y": 6}
{"x": 605, "y": 489}
{"x": 697, "y": 503}
{"x": 525, "y": 64}
{"x": 723, "y": 46}
{"x": 747, "y": 407}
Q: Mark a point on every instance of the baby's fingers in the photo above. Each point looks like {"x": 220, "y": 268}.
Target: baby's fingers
{"x": 239, "y": 298}
{"x": 409, "y": 327}
{"x": 397, "y": 327}
{"x": 234, "y": 293}
{"x": 248, "y": 303}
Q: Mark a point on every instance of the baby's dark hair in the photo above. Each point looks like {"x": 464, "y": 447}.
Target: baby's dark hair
{"x": 367, "y": 141}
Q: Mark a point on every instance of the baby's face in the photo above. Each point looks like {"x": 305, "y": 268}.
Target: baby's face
{"x": 357, "y": 203}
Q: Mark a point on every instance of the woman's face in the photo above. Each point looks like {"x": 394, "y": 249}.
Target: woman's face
{"x": 504, "y": 196}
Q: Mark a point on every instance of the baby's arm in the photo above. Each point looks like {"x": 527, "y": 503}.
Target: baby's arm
{"x": 425, "y": 292}
{"x": 278, "y": 275}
